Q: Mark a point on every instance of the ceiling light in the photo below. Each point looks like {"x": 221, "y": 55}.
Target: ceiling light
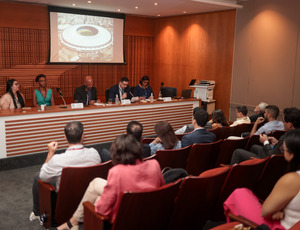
{"x": 119, "y": 10}
{"x": 155, "y": 4}
{"x": 184, "y": 12}
{"x": 136, "y": 7}
{"x": 89, "y": 1}
{"x": 73, "y": 4}
{"x": 158, "y": 15}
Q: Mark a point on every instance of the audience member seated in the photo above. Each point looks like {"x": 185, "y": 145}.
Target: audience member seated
{"x": 86, "y": 94}
{"x": 291, "y": 120}
{"x": 166, "y": 138}
{"x": 74, "y": 156}
{"x": 143, "y": 90}
{"x": 122, "y": 90}
{"x": 241, "y": 116}
{"x": 271, "y": 114}
{"x": 259, "y": 110}
{"x": 136, "y": 129}
{"x": 130, "y": 173}
{"x": 13, "y": 99}
{"x": 189, "y": 128}
{"x": 218, "y": 119}
{"x": 199, "y": 135}
{"x": 42, "y": 95}
{"x": 281, "y": 209}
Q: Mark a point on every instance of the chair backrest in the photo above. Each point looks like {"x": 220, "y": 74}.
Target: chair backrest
{"x": 277, "y": 133}
{"x": 196, "y": 198}
{"x": 107, "y": 94}
{"x": 217, "y": 132}
{"x": 274, "y": 169}
{"x": 227, "y": 148}
{"x": 245, "y": 175}
{"x": 73, "y": 183}
{"x": 179, "y": 136}
{"x": 146, "y": 210}
{"x": 244, "y": 128}
{"x": 253, "y": 140}
{"x": 147, "y": 140}
{"x": 173, "y": 158}
{"x": 227, "y": 131}
{"x": 202, "y": 157}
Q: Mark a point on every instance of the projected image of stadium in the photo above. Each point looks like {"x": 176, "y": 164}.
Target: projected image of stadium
{"x": 82, "y": 38}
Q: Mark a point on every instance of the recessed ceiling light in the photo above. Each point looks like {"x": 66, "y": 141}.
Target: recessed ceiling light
{"x": 136, "y": 7}
{"x": 184, "y": 12}
{"x": 158, "y": 15}
{"x": 89, "y": 1}
{"x": 119, "y": 10}
{"x": 73, "y": 4}
{"x": 155, "y": 3}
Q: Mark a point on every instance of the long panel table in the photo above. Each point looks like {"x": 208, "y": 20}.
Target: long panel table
{"x": 29, "y": 130}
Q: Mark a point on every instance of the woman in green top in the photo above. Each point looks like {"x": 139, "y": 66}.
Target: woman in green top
{"x": 42, "y": 95}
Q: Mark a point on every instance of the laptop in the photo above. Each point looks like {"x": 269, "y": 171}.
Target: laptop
{"x": 192, "y": 82}
{"x": 186, "y": 93}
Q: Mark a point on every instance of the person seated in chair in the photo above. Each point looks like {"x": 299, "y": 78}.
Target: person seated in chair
{"x": 166, "y": 138}
{"x": 291, "y": 120}
{"x": 86, "y": 94}
{"x": 218, "y": 119}
{"x": 241, "y": 116}
{"x": 122, "y": 90}
{"x": 143, "y": 90}
{"x": 74, "y": 156}
{"x": 199, "y": 135}
{"x": 259, "y": 110}
{"x": 129, "y": 173}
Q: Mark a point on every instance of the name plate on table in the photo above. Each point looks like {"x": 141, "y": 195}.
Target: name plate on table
{"x": 125, "y": 102}
{"x": 167, "y": 98}
{"x": 77, "y": 105}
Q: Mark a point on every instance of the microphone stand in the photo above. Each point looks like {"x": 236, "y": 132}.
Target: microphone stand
{"x": 65, "y": 105}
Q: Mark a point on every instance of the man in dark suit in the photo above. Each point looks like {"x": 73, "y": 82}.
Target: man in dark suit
{"x": 121, "y": 89}
{"x": 86, "y": 94}
{"x": 199, "y": 135}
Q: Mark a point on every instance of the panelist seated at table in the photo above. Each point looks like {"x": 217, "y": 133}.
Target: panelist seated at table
{"x": 86, "y": 94}
{"x": 12, "y": 99}
{"x": 42, "y": 95}
{"x": 143, "y": 89}
{"x": 122, "y": 90}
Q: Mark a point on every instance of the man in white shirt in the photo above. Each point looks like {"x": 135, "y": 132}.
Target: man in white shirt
{"x": 74, "y": 156}
{"x": 241, "y": 116}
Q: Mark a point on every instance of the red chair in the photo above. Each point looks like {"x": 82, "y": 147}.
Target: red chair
{"x": 202, "y": 157}
{"x": 217, "y": 132}
{"x": 179, "y": 136}
{"x": 59, "y": 207}
{"x": 253, "y": 140}
{"x": 244, "y": 128}
{"x": 277, "y": 133}
{"x": 273, "y": 170}
{"x": 137, "y": 210}
{"x": 226, "y": 149}
{"x": 227, "y": 131}
{"x": 173, "y": 158}
{"x": 240, "y": 175}
{"x": 147, "y": 140}
{"x": 196, "y": 199}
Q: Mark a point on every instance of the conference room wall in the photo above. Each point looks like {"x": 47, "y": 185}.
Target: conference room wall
{"x": 195, "y": 46}
{"x": 266, "y": 59}
{"x": 203, "y": 49}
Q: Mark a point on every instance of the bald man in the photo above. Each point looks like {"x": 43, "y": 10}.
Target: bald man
{"x": 86, "y": 94}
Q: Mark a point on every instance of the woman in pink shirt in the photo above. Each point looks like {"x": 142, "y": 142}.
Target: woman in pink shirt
{"x": 130, "y": 173}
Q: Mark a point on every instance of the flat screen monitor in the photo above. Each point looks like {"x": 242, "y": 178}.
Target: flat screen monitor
{"x": 168, "y": 92}
{"x": 85, "y": 36}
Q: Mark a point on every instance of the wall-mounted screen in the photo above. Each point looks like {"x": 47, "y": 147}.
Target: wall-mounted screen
{"x": 83, "y": 36}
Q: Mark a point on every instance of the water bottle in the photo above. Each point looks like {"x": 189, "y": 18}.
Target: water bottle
{"x": 151, "y": 98}
{"x": 117, "y": 101}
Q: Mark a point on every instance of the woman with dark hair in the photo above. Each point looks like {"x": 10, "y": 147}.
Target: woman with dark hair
{"x": 218, "y": 119}
{"x": 130, "y": 173}
{"x": 13, "y": 99}
{"x": 281, "y": 209}
{"x": 143, "y": 89}
{"x": 42, "y": 95}
{"x": 166, "y": 138}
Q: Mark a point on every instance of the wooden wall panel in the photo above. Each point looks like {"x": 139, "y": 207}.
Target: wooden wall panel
{"x": 195, "y": 46}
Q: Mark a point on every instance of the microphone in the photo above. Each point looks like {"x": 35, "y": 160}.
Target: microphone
{"x": 61, "y": 95}
{"x": 161, "y": 84}
{"x": 59, "y": 91}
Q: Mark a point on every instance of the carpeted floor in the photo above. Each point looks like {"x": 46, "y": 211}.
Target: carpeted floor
{"x": 16, "y": 199}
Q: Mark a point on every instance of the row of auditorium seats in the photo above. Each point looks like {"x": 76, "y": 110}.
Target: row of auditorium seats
{"x": 200, "y": 157}
{"x": 188, "y": 203}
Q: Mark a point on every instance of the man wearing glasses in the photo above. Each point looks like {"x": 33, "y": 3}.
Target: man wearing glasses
{"x": 122, "y": 90}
